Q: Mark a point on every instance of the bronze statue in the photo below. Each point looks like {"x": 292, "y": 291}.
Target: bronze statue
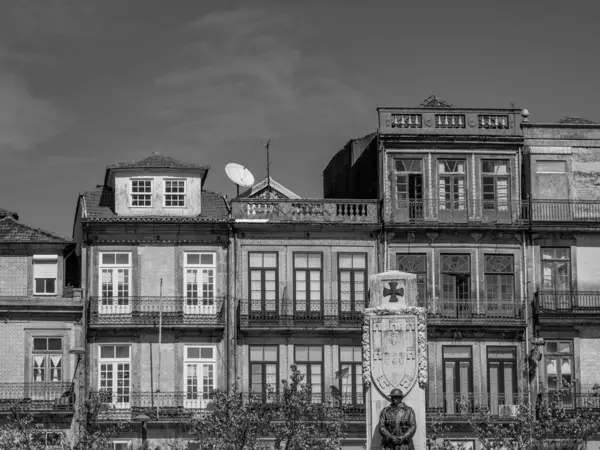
{"x": 397, "y": 424}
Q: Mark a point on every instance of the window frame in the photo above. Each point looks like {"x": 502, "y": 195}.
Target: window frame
{"x": 558, "y": 356}
{"x": 457, "y": 380}
{"x": 308, "y": 311}
{"x": 554, "y": 260}
{"x": 354, "y": 381}
{"x": 115, "y": 303}
{"x": 499, "y": 301}
{"x": 352, "y": 271}
{"x": 317, "y": 398}
{"x": 263, "y": 291}
{"x": 453, "y": 203}
{"x": 501, "y": 361}
{"x": 115, "y": 361}
{"x": 177, "y": 194}
{"x": 263, "y": 363}
{"x": 199, "y": 302}
{"x": 149, "y": 194}
{"x": 420, "y": 301}
{"x": 121, "y": 441}
{"x": 497, "y": 203}
{"x": 47, "y": 360}
{"x": 47, "y": 259}
{"x": 203, "y": 398}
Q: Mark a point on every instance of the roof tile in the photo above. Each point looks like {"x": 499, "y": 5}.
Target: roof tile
{"x": 12, "y": 231}
{"x": 157, "y": 161}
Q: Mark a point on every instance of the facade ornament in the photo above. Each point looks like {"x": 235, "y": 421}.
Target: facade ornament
{"x": 432, "y": 235}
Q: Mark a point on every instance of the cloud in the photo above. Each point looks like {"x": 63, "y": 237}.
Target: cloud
{"x": 247, "y": 72}
{"x": 25, "y": 119}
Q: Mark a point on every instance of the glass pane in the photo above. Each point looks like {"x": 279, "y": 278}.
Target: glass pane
{"x": 107, "y": 351}
{"x": 207, "y": 258}
{"x": 108, "y": 258}
{"x": 193, "y": 258}
{"x": 314, "y": 261}
{"x": 316, "y": 353}
{"x": 123, "y": 258}
{"x": 193, "y": 352}
{"x": 345, "y": 261}
{"x": 206, "y": 353}
{"x": 40, "y": 344}
{"x": 122, "y": 351}
{"x": 359, "y": 261}
{"x": 346, "y": 353}
{"x": 457, "y": 352}
{"x": 256, "y": 259}
{"x": 358, "y": 353}
{"x": 501, "y": 353}
{"x": 300, "y": 260}
{"x": 551, "y": 347}
{"x": 564, "y": 347}
{"x": 256, "y": 354}
{"x": 301, "y": 353}
{"x": 270, "y": 353}
{"x": 55, "y": 344}
{"x": 270, "y": 260}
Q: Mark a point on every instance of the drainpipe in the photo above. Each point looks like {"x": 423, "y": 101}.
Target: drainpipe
{"x": 231, "y": 309}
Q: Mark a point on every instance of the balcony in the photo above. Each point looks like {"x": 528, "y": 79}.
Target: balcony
{"x": 458, "y": 406}
{"x": 565, "y": 212}
{"x": 463, "y": 212}
{"x": 306, "y": 211}
{"x": 568, "y": 307}
{"x": 152, "y": 311}
{"x": 283, "y": 314}
{"x": 70, "y": 303}
{"x": 476, "y": 312}
{"x": 175, "y": 405}
{"x": 36, "y": 397}
{"x": 582, "y": 401}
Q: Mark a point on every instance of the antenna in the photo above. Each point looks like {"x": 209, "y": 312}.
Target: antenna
{"x": 239, "y": 175}
{"x": 268, "y": 147}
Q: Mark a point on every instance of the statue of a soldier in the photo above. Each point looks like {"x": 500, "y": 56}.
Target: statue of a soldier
{"x": 397, "y": 424}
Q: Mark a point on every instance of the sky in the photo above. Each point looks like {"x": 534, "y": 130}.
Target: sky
{"x": 84, "y": 84}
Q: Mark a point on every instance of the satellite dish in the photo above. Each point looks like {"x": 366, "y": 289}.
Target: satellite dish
{"x": 239, "y": 175}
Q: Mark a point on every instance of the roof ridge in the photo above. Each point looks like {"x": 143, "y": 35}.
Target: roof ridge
{"x": 433, "y": 101}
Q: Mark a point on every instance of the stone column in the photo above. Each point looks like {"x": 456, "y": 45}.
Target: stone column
{"x": 394, "y": 351}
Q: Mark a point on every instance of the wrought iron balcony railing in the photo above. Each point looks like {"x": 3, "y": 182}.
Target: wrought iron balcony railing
{"x": 314, "y": 211}
{"x": 172, "y": 311}
{"x": 587, "y": 211}
{"x": 581, "y": 401}
{"x": 567, "y": 302}
{"x": 36, "y": 397}
{"x": 458, "y": 404}
{"x": 460, "y": 211}
{"x": 457, "y": 311}
{"x": 327, "y": 314}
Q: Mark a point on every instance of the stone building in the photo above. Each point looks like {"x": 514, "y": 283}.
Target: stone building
{"x": 453, "y": 214}
{"x": 154, "y": 248}
{"x": 40, "y": 327}
{"x": 563, "y": 167}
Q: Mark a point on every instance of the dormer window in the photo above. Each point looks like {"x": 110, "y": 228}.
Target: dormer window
{"x": 141, "y": 193}
{"x": 175, "y": 193}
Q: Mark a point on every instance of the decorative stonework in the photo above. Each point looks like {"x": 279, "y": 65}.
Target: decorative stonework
{"x": 420, "y": 313}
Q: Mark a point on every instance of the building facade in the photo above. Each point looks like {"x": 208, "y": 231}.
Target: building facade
{"x": 154, "y": 245}
{"x": 41, "y": 328}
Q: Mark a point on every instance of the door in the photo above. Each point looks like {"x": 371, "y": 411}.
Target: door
{"x": 452, "y": 196}
{"x": 408, "y": 179}
{"x": 458, "y": 380}
{"x": 456, "y": 286}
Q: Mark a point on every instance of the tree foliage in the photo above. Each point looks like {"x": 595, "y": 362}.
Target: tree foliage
{"x": 292, "y": 418}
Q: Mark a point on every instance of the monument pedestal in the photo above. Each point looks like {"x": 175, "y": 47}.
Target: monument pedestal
{"x": 394, "y": 351}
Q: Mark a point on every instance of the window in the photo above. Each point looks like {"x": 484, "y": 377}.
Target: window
{"x": 47, "y": 356}
{"x": 53, "y": 440}
{"x": 175, "y": 193}
{"x": 309, "y": 361}
{"x": 263, "y": 369}
{"x": 559, "y": 371}
{"x": 115, "y": 269}
{"x": 550, "y": 166}
{"x": 502, "y": 377}
{"x": 456, "y": 285}
{"x": 452, "y": 181}
{"x": 556, "y": 269}
{"x": 351, "y": 380}
{"x": 115, "y": 375}
{"x": 415, "y": 263}
{"x": 200, "y": 374}
{"x": 121, "y": 445}
{"x": 308, "y": 286}
{"x": 263, "y": 282}
{"x": 458, "y": 378}
{"x": 352, "y": 269}
{"x": 141, "y": 193}
{"x": 500, "y": 285}
{"x": 200, "y": 283}
{"x": 193, "y": 446}
{"x": 45, "y": 269}
{"x": 495, "y": 184}
{"x": 409, "y": 187}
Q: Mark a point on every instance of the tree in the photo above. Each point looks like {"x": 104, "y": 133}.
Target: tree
{"x": 90, "y": 434}
{"x": 20, "y": 433}
{"x": 303, "y": 422}
{"x": 554, "y": 419}
{"x": 235, "y": 422}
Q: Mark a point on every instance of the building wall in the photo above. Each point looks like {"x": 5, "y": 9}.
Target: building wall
{"x": 14, "y": 279}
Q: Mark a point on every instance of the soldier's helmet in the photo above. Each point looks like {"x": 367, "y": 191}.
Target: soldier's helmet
{"x": 396, "y": 393}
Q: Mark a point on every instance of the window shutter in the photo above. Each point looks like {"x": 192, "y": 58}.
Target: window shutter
{"x": 45, "y": 268}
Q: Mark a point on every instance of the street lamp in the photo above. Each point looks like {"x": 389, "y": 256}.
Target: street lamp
{"x": 143, "y": 418}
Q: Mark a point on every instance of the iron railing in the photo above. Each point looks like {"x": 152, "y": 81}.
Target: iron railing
{"x": 305, "y": 210}
{"x": 458, "y": 404}
{"x": 581, "y": 401}
{"x": 461, "y": 211}
{"x": 151, "y": 310}
{"x": 571, "y": 302}
{"x": 565, "y": 211}
{"x": 472, "y": 310}
{"x": 330, "y": 314}
{"x": 36, "y": 397}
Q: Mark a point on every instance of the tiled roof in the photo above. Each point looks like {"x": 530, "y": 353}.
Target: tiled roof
{"x": 99, "y": 205}
{"x": 5, "y": 212}
{"x": 433, "y": 102}
{"x": 258, "y": 190}
{"x": 12, "y": 231}
{"x": 157, "y": 161}
{"x": 576, "y": 121}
